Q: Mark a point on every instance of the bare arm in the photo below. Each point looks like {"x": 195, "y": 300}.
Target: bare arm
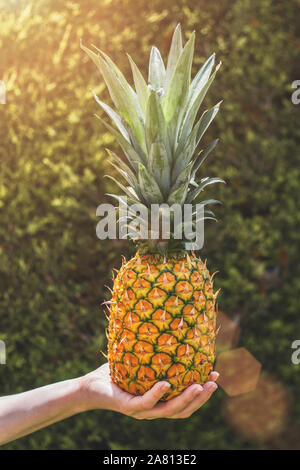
{"x": 27, "y": 412}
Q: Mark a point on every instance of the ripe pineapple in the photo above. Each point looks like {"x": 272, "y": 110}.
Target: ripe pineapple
{"x": 162, "y": 312}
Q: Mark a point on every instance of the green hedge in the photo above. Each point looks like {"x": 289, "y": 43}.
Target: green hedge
{"x": 53, "y": 269}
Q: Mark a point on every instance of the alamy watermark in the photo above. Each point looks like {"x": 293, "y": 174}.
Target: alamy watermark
{"x": 2, "y": 92}
{"x": 296, "y": 93}
{"x": 159, "y": 222}
{"x": 296, "y": 354}
{"x": 2, "y": 352}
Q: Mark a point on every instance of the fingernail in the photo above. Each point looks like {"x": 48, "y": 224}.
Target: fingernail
{"x": 212, "y": 387}
{"x": 198, "y": 390}
{"x": 165, "y": 386}
{"x": 217, "y": 375}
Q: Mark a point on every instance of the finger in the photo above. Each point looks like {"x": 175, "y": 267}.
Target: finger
{"x": 150, "y": 398}
{"x": 176, "y": 404}
{"x": 214, "y": 376}
{"x": 208, "y": 389}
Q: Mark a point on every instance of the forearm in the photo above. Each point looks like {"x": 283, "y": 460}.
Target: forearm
{"x": 27, "y": 412}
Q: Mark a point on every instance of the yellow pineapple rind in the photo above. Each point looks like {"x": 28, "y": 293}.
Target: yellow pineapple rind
{"x": 162, "y": 323}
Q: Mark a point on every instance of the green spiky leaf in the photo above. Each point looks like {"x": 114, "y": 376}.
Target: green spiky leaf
{"x": 158, "y": 130}
{"x": 180, "y": 80}
{"x": 120, "y": 162}
{"x": 185, "y": 151}
{"x": 126, "y": 189}
{"x": 179, "y": 195}
{"x": 174, "y": 54}
{"x": 203, "y": 183}
{"x": 199, "y": 161}
{"x": 140, "y": 85}
{"x": 148, "y": 185}
{"x": 113, "y": 115}
{"x": 122, "y": 200}
{"x": 159, "y": 166}
{"x": 121, "y": 93}
{"x": 133, "y": 157}
{"x": 201, "y": 77}
{"x": 193, "y": 107}
{"x": 206, "y": 119}
{"x": 155, "y": 124}
{"x": 183, "y": 177}
{"x": 131, "y": 180}
{"x": 156, "y": 76}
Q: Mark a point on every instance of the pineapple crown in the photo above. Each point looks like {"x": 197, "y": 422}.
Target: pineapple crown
{"x": 157, "y": 126}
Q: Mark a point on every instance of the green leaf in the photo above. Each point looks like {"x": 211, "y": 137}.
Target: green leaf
{"x": 209, "y": 201}
{"x": 206, "y": 218}
{"x": 120, "y": 91}
{"x": 204, "y": 155}
{"x": 206, "y": 118}
{"x": 132, "y": 181}
{"x": 135, "y": 143}
{"x": 123, "y": 200}
{"x": 209, "y": 212}
{"x": 159, "y": 166}
{"x": 149, "y": 188}
{"x": 203, "y": 183}
{"x": 180, "y": 80}
{"x": 155, "y": 124}
{"x": 206, "y": 181}
{"x": 140, "y": 86}
{"x": 179, "y": 195}
{"x": 184, "y": 155}
{"x": 126, "y": 189}
{"x": 116, "y": 70}
{"x": 127, "y": 173}
{"x": 91, "y": 54}
{"x": 133, "y": 157}
{"x": 183, "y": 177}
{"x": 156, "y": 76}
{"x": 175, "y": 51}
{"x": 120, "y": 162}
{"x": 193, "y": 107}
{"x": 113, "y": 115}
{"x": 201, "y": 77}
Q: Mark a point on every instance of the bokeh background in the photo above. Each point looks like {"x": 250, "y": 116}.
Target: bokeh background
{"x": 53, "y": 269}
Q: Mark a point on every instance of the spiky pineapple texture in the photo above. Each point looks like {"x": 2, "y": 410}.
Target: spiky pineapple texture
{"x": 162, "y": 323}
{"x": 157, "y": 127}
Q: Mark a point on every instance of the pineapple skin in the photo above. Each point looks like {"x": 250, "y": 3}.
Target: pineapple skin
{"x": 162, "y": 323}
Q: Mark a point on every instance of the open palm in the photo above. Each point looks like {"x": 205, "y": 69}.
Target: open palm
{"x": 102, "y": 392}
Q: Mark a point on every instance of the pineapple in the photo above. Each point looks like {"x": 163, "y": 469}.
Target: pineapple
{"x": 162, "y": 314}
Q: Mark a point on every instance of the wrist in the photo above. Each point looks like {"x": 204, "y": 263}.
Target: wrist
{"x": 83, "y": 395}
{"x": 89, "y": 396}
{"x": 94, "y": 394}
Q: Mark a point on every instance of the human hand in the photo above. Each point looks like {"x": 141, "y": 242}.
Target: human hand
{"x": 99, "y": 391}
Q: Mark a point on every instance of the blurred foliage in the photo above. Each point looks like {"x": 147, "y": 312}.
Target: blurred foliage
{"x": 52, "y": 160}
